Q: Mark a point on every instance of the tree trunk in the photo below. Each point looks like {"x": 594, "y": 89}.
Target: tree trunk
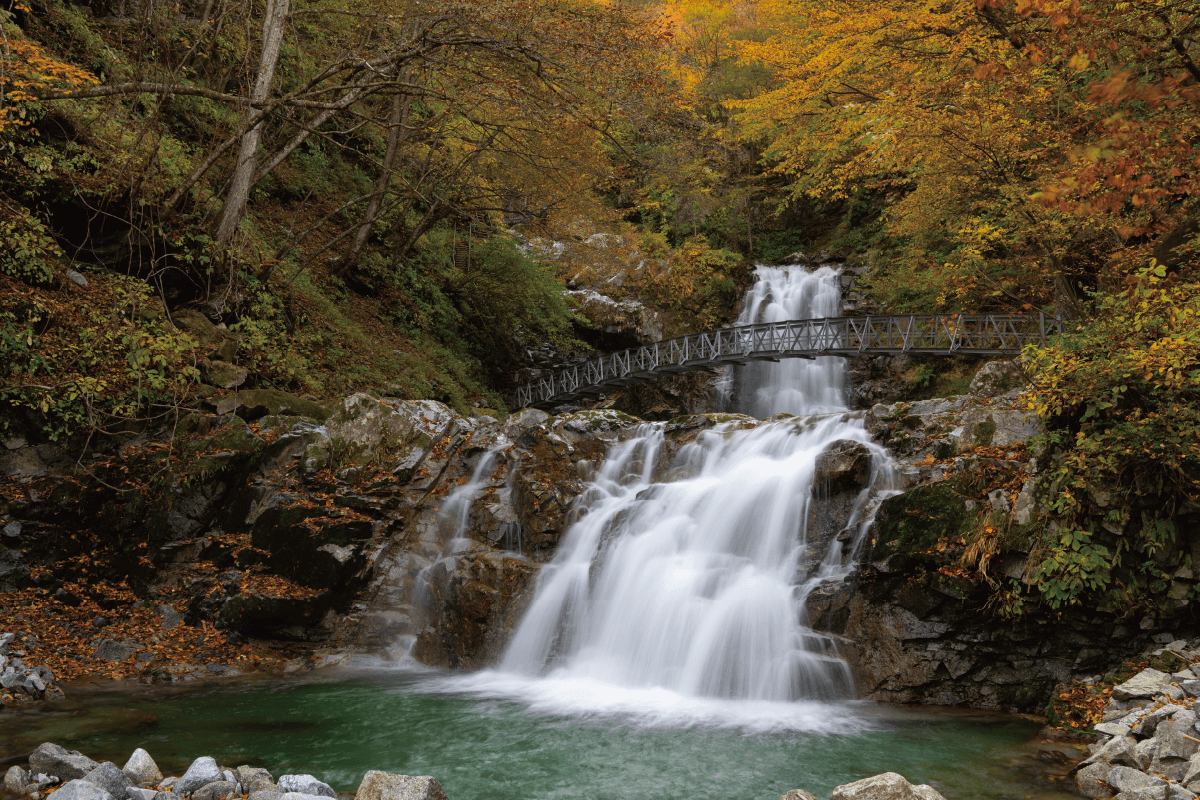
{"x": 396, "y": 124}
{"x": 274, "y": 22}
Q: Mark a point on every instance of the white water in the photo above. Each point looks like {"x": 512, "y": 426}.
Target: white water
{"x": 793, "y": 385}
{"x": 681, "y": 600}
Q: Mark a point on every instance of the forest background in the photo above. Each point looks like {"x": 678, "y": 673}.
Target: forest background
{"x": 325, "y": 196}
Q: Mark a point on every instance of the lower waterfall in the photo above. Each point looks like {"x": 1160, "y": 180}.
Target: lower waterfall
{"x": 679, "y": 592}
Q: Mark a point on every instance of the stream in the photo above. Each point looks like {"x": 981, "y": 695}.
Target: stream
{"x": 480, "y": 748}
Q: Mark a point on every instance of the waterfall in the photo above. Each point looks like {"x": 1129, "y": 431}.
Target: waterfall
{"x": 794, "y": 385}
{"x": 696, "y": 585}
{"x": 690, "y": 589}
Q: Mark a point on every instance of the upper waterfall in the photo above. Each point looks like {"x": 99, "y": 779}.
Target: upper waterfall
{"x": 794, "y": 385}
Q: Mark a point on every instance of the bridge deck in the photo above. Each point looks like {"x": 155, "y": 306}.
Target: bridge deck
{"x": 935, "y": 334}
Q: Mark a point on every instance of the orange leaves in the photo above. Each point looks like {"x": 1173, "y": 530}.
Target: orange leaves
{"x": 24, "y": 65}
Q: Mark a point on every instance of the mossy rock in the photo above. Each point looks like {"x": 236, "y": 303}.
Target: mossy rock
{"x": 984, "y": 433}
{"x": 257, "y": 403}
{"x": 920, "y": 517}
{"x": 1169, "y": 662}
{"x": 234, "y": 435}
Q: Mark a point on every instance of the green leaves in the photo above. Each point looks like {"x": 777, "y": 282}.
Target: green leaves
{"x": 1123, "y": 425}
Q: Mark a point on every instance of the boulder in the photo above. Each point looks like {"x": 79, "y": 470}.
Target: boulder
{"x": 141, "y": 768}
{"x": 304, "y": 784}
{"x": 1146, "y": 683}
{"x": 15, "y": 780}
{"x": 888, "y": 786}
{"x": 301, "y": 796}
{"x": 82, "y": 790}
{"x": 51, "y": 759}
{"x": 202, "y": 772}
{"x": 169, "y": 617}
{"x": 109, "y": 778}
{"x": 1176, "y": 739}
{"x": 137, "y": 793}
{"x": 265, "y": 794}
{"x": 844, "y": 464}
{"x": 377, "y": 785}
{"x": 1091, "y": 781}
{"x": 996, "y": 378}
{"x": 254, "y": 404}
{"x": 1150, "y": 793}
{"x": 798, "y": 794}
{"x": 224, "y": 375}
{"x": 1125, "y": 779}
{"x": 14, "y": 574}
{"x": 112, "y": 650}
{"x": 217, "y": 790}
{"x": 521, "y": 421}
{"x": 255, "y": 779}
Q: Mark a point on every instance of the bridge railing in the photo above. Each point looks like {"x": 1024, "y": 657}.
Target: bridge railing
{"x": 945, "y": 334}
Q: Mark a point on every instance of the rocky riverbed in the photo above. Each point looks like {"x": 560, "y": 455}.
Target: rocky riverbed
{"x": 1148, "y": 745}
{"x": 71, "y": 775}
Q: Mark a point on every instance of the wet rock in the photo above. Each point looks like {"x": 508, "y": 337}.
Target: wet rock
{"x": 51, "y": 759}
{"x": 82, "y": 790}
{"x": 478, "y": 599}
{"x": 202, "y": 772}
{"x": 888, "y": 786}
{"x": 377, "y": 785}
{"x": 843, "y": 464}
{"x": 141, "y": 768}
{"x": 109, "y": 778}
{"x": 304, "y": 784}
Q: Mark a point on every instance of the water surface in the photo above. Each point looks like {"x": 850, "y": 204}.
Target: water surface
{"x": 492, "y": 748}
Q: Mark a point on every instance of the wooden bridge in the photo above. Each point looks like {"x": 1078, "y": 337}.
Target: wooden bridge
{"x": 932, "y": 334}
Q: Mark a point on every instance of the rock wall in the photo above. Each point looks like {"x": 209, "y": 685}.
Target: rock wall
{"x": 917, "y": 626}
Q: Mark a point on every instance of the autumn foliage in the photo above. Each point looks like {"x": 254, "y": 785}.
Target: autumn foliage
{"x": 1025, "y": 151}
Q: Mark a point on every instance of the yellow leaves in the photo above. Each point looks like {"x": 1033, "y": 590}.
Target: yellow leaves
{"x": 24, "y": 65}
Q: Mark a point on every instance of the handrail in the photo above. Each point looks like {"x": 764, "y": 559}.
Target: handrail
{"x": 931, "y": 334}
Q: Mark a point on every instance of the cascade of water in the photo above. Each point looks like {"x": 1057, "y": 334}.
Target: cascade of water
{"x": 697, "y": 585}
{"x": 690, "y": 585}
{"x": 794, "y": 385}
{"x": 448, "y": 542}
